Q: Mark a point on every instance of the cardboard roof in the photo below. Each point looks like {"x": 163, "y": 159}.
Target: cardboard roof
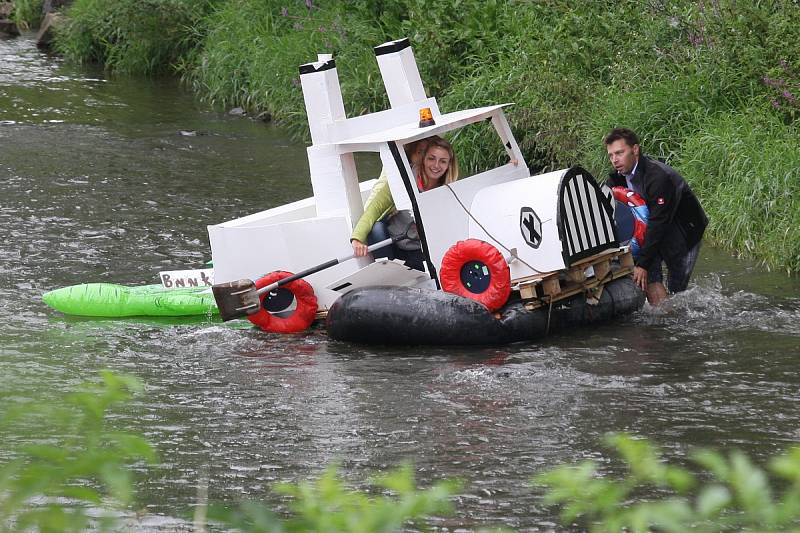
{"x": 411, "y": 131}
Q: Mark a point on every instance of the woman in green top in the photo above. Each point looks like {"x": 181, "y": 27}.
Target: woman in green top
{"x": 433, "y": 163}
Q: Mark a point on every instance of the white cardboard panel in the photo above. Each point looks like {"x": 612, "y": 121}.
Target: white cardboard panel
{"x": 401, "y": 77}
{"x": 251, "y": 252}
{"x": 498, "y": 208}
{"x": 334, "y": 181}
{"x": 381, "y": 272}
{"x": 374, "y": 123}
{"x": 445, "y": 220}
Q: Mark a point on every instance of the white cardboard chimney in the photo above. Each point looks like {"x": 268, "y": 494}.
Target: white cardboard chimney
{"x": 322, "y": 95}
{"x": 399, "y": 72}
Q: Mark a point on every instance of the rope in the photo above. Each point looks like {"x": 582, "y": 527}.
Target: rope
{"x": 513, "y": 255}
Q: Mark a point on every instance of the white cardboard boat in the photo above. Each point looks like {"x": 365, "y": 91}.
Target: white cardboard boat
{"x": 555, "y": 227}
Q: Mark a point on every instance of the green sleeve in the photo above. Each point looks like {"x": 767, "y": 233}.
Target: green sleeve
{"x": 379, "y": 204}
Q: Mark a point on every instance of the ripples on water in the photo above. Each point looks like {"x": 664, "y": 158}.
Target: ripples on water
{"x": 98, "y": 185}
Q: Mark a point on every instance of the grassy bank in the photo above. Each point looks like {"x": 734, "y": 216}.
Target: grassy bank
{"x": 711, "y": 86}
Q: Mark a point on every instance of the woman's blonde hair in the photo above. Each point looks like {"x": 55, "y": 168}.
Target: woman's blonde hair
{"x": 452, "y": 170}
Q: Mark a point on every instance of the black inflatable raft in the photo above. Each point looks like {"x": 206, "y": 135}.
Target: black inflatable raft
{"x": 402, "y": 315}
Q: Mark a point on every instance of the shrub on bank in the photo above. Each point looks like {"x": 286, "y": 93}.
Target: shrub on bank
{"x": 77, "y": 464}
{"x": 137, "y": 37}
{"x": 251, "y": 53}
{"x": 75, "y": 473}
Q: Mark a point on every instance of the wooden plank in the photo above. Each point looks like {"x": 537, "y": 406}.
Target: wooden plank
{"x": 559, "y": 285}
{"x": 576, "y": 275}
{"x": 527, "y": 291}
{"x": 586, "y": 261}
{"x": 583, "y": 264}
{"x": 536, "y": 277}
{"x": 602, "y": 269}
{"x": 626, "y": 260}
{"x": 551, "y": 287}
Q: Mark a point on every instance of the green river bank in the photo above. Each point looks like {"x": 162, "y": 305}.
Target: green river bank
{"x": 712, "y": 87}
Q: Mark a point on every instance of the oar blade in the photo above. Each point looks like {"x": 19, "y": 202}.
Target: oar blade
{"x": 236, "y": 299}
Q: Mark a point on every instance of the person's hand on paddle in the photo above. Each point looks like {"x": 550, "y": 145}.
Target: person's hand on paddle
{"x": 640, "y": 277}
{"x": 359, "y": 248}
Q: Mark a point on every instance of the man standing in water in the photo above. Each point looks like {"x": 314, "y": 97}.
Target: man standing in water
{"x": 676, "y": 223}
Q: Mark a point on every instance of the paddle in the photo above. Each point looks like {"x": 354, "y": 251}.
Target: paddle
{"x": 240, "y": 298}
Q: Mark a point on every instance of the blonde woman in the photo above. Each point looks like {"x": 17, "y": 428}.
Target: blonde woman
{"x": 433, "y": 164}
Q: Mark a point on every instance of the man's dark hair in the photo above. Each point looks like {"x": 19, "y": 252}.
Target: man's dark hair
{"x": 621, "y": 133}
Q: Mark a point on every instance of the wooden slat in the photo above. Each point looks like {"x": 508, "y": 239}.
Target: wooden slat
{"x": 552, "y": 287}
{"x": 576, "y": 275}
{"x": 555, "y": 286}
{"x": 602, "y": 269}
{"x": 527, "y": 291}
{"x": 626, "y": 260}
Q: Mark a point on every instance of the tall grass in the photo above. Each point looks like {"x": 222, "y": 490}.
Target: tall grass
{"x": 667, "y": 69}
{"x": 746, "y": 167}
{"x": 27, "y": 13}
{"x": 140, "y": 37}
{"x": 251, "y": 55}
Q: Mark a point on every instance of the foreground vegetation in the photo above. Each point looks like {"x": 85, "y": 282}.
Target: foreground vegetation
{"x": 727, "y": 493}
{"x": 78, "y": 474}
{"x": 712, "y": 87}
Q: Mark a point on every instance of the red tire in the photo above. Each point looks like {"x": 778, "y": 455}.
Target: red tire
{"x": 476, "y": 270}
{"x": 289, "y": 320}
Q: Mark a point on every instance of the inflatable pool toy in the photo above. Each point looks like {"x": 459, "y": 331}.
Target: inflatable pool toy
{"x": 111, "y": 300}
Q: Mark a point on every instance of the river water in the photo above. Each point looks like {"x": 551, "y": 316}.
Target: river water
{"x": 99, "y": 184}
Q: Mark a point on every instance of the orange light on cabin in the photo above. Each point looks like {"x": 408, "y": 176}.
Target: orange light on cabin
{"x": 426, "y": 117}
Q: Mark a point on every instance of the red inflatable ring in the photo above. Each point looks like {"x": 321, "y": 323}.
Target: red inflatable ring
{"x": 640, "y": 213}
{"x": 276, "y": 314}
{"x": 477, "y": 270}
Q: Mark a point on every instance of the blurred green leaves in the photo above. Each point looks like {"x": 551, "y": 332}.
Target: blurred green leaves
{"x": 328, "y": 505}
{"x": 77, "y": 474}
{"x": 729, "y": 493}
{"x": 77, "y": 461}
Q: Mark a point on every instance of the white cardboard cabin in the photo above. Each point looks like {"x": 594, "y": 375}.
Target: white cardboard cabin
{"x": 551, "y": 220}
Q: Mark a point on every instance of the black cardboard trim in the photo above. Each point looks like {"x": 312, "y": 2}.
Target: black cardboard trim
{"x": 309, "y": 68}
{"x": 409, "y": 183}
{"x": 394, "y": 46}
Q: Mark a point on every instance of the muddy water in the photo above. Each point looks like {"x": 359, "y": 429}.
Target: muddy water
{"x": 100, "y": 184}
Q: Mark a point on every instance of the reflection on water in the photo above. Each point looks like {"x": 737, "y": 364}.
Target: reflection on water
{"x": 100, "y": 185}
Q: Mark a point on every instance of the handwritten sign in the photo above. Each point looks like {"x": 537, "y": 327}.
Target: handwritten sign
{"x": 180, "y": 279}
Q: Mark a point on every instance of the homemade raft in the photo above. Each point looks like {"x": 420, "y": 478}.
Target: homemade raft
{"x": 506, "y": 256}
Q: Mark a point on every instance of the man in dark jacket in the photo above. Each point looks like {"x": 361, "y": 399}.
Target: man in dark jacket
{"x": 676, "y": 223}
